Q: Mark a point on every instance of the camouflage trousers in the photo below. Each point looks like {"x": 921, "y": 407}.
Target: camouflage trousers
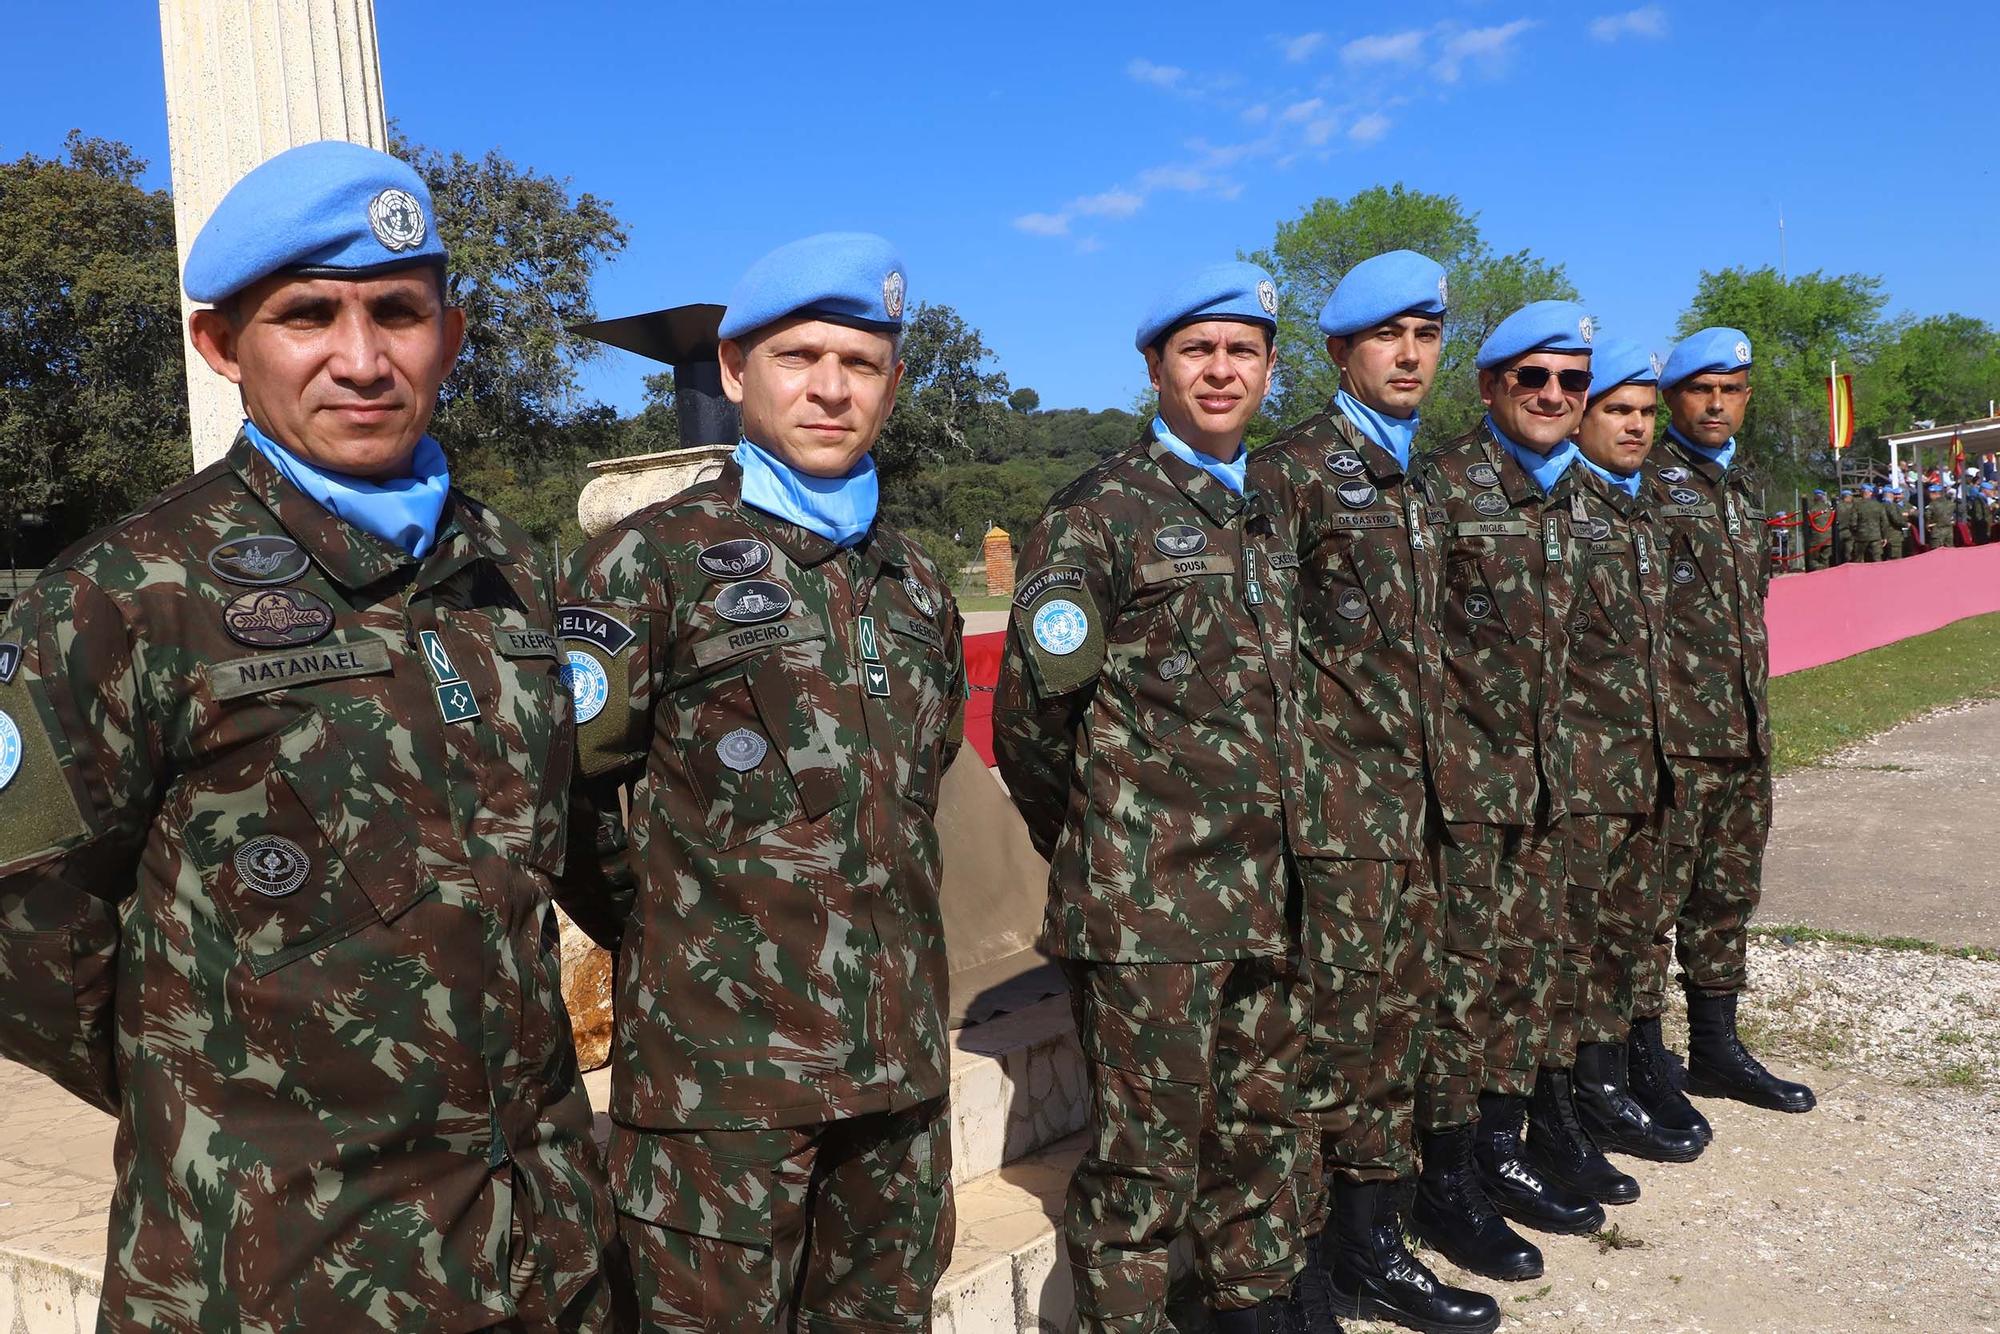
{"x": 1374, "y": 961}
{"x": 1711, "y": 876}
{"x": 1504, "y": 897}
{"x": 1193, "y": 1127}
{"x": 1614, "y": 882}
{"x": 845, "y": 1225}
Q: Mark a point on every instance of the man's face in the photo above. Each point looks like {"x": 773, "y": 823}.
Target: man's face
{"x": 344, "y": 373}
{"x": 1390, "y": 367}
{"x": 1536, "y": 416}
{"x": 1211, "y": 378}
{"x": 812, "y": 392}
{"x": 1617, "y": 429}
{"x": 1708, "y": 408}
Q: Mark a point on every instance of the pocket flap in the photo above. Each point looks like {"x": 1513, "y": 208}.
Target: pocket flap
{"x": 675, "y": 1179}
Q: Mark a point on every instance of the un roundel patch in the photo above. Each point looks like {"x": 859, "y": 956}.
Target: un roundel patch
{"x": 10, "y": 750}
{"x": 272, "y": 866}
{"x": 1061, "y": 627}
{"x": 742, "y": 750}
{"x": 589, "y": 687}
{"x": 396, "y": 219}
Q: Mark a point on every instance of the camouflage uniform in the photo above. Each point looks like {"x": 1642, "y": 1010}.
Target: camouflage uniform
{"x": 1611, "y": 716}
{"x": 274, "y": 890}
{"x": 1940, "y": 516}
{"x": 1715, "y": 725}
{"x": 1817, "y": 534}
{"x": 778, "y": 712}
{"x": 1897, "y": 516}
{"x": 1845, "y": 511}
{"x": 1369, "y": 702}
{"x": 1140, "y": 727}
{"x": 1513, "y": 568}
{"x": 1871, "y": 528}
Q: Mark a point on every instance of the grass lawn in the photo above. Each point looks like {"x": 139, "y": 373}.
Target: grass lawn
{"x": 1820, "y": 710}
{"x": 982, "y": 602}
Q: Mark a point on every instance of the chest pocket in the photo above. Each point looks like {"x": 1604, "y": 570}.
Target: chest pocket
{"x": 514, "y": 670}
{"x": 915, "y": 658}
{"x": 1473, "y": 616}
{"x": 1601, "y": 622}
{"x": 1176, "y": 654}
{"x": 762, "y": 747}
{"x": 1694, "y": 591}
{"x": 297, "y": 849}
{"x": 1337, "y": 617}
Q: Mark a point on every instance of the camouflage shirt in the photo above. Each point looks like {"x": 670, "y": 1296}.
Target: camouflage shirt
{"x": 275, "y": 889}
{"x": 1717, "y": 660}
{"x": 782, "y": 711}
{"x": 1514, "y": 561}
{"x": 1616, "y": 626}
{"x": 1138, "y": 720}
{"x": 1369, "y": 695}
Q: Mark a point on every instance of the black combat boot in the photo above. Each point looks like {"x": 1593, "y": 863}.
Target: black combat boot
{"x": 1376, "y": 1278}
{"x": 1454, "y": 1214}
{"x": 1276, "y": 1316}
{"x": 1651, "y": 1079}
{"x": 1563, "y": 1154}
{"x": 1719, "y": 1067}
{"x": 1516, "y": 1186}
{"x": 1312, "y": 1295}
{"x": 1614, "y": 1119}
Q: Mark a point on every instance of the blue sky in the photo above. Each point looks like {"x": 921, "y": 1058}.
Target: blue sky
{"x": 1045, "y": 167}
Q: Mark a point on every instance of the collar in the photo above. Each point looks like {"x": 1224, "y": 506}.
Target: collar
{"x": 839, "y": 509}
{"x": 1209, "y": 496}
{"x": 403, "y": 511}
{"x": 1229, "y": 473}
{"x": 1544, "y": 470}
{"x": 352, "y": 557}
{"x": 1719, "y": 459}
{"x": 1393, "y": 435}
{"x": 1381, "y": 464}
{"x": 802, "y": 547}
{"x": 1624, "y": 483}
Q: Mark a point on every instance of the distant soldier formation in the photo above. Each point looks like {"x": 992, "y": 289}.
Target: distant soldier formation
{"x": 1387, "y": 798}
{"x": 1905, "y": 515}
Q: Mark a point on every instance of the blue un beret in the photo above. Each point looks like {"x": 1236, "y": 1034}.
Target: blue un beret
{"x": 1233, "y": 291}
{"x": 1539, "y": 326}
{"x": 1715, "y": 349}
{"x": 1377, "y": 290}
{"x": 326, "y": 209}
{"x": 853, "y": 278}
{"x": 1621, "y": 361}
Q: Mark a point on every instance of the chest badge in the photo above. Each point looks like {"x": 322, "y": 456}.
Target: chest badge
{"x": 1356, "y": 495}
{"x": 589, "y": 688}
{"x": 751, "y": 600}
{"x": 268, "y": 558}
{"x": 1490, "y": 503}
{"x": 1352, "y": 603}
{"x": 875, "y": 675}
{"x": 1598, "y": 528}
{"x": 1483, "y": 474}
{"x": 435, "y": 656}
{"x": 738, "y": 558}
{"x": 1478, "y": 606}
{"x": 10, "y": 750}
{"x": 1180, "y": 540}
{"x": 742, "y": 750}
{"x": 1345, "y": 465}
{"x": 1579, "y": 623}
{"x": 920, "y": 597}
{"x": 1176, "y": 665}
{"x": 1683, "y": 572}
{"x": 272, "y": 866}
{"x": 277, "y": 618}
{"x": 1674, "y": 474}
{"x": 1682, "y": 495}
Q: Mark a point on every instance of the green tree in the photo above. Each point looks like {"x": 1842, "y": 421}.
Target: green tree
{"x": 93, "y": 401}
{"x": 949, "y": 392}
{"x": 1024, "y": 400}
{"x": 1312, "y": 252}
{"x": 1796, "y": 326}
{"x": 1942, "y": 368}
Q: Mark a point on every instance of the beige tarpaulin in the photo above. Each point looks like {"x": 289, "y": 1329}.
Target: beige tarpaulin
{"x": 994, "y": 883}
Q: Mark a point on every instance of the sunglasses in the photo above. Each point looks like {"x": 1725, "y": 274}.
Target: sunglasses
{"x": 1535, "y": 377}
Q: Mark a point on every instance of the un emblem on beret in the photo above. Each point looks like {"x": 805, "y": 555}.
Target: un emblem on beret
{"x": 1586, "y": 328}
{"x": 892, "y": 294}
{"x": 396, "y": 219}
{"x": 1653, "y": 360}
{"x": 1742, "y": 353}
{"x": 1443, "y": 300}
{"x": 1267, "y": 296}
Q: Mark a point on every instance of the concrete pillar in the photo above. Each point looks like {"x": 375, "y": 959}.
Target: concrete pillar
{"x": 247, "y": 79}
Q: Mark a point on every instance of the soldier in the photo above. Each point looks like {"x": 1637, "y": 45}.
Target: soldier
{"x": 282, "y": 761}
{"x": 1617, "y": 804}
{"x": 1978, "y": 509}
{"x": 1369, "y": 702}
{"x": 1717, "y": 731}
{"x": 1898, "y": 515}
{"x": 1871, "y": 524}
{"x": 1817, "y": 534}
{"x": 1511, "y": 514}
{"x": 1843, "y": 527}
{"x": 1141, "y": 725}
{"x": 1940, "y": 518}
{"x": 773, "y": 682}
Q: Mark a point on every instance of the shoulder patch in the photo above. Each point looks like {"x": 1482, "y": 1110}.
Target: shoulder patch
{"x": 1063, "y": 635}
{"x": 1047, "y": 580}
{"x": 593, "y": 627}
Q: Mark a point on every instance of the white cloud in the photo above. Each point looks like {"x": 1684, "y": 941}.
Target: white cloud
{"x": 1043, "y": 224}
{"x": 1109, "y": 204}
{"x": 1389, "y": 48}
{"x": 1318, "y": 132}
{"x": 1646, "y": 21}
{"x": 1159, "y": 76}
{"x": 1301, "y": 47}
{"x": 1258, "y": 114}
{"x": 1088, "y": 245}
{"x": 1488, "y": 47}
{"x": 1369, "y": 129}
{"x": 1302, "y": 111}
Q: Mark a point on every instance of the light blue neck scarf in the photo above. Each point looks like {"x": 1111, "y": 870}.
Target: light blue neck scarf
{"x": 1230, "y": 474}
{"x": 1547, "y": 469}
{"x": 839, "y": 509}
{"x": 403, "y": 511}
{"x": 1719, "y": 457}
{"x": 1626, "y": 482}
{"x": 1393, "y": 434}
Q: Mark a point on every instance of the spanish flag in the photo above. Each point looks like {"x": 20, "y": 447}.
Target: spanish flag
{"x": 1839, "y": 411}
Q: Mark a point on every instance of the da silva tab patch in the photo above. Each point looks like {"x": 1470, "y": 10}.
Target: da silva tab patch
{"x": 593, "y": 627}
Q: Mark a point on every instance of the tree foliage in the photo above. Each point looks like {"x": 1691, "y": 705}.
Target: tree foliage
{"x": 93, "y": 400}
{"x": 1312, "y": 252}
{"x": 949, "y": 392}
